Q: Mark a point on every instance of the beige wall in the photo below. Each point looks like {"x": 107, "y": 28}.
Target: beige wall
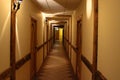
{"x": 27, "y": 11}
{"x": 39, "y": 58}
{"x": 109, "y": 39}
{"x": 87, "y": 29}
{"x": 86, "y": 74}
{"x": 4, "y": 34}
{"x": 73, "y": 60}
{"x": 74, "y": 28}
{"x": 23, "y": 36}
{"x": 24, "y": 15}
{"x": 87, "y": 33}
{"x": 24, "y": 72}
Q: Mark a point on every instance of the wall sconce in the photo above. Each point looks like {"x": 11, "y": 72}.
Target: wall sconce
{"x": 16, "y": 4}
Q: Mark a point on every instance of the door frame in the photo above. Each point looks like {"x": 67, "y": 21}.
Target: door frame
{"x": 33, "y": 48}
{"x": 79, "y": 48}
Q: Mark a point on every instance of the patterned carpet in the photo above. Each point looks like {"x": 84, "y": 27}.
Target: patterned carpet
{"x": 56, "y": 66}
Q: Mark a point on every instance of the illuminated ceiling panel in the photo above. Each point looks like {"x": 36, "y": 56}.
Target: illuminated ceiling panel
{"x": 56, "y": 6}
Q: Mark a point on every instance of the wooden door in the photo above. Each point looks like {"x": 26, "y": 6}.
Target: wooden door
{"x": 57, "y": 34}
{"x": 54, "y": 35}
{"x": 79, "y": 48}
{"x": 33, "y": 47}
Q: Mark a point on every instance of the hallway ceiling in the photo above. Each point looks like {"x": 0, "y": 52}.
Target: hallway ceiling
{"x": 57, "y": 6}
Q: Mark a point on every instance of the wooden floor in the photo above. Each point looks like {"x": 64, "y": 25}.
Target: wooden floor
{"x": 56, "y": 66}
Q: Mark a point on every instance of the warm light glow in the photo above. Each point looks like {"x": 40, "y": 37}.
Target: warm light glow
{"x": 44, "y": 15}
{"x": 89, "y": 8}
{"x": 18, "y": 42}
{"x": 20, "y": 1}
{"x": 56, "y": 28}
{"x": 60, "y": 34}
{"x": 47, "y": 6}
{"x": 47, "y": 15}
{"x": 53, "y": 21}
{"x": 4, "y": 26}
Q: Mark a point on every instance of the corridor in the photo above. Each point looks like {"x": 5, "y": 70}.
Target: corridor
{"x": 57, "y": 65}
{"x": 88, "y": 32}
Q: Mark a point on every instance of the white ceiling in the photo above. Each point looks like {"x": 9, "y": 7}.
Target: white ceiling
{"x": 57, "y": 6}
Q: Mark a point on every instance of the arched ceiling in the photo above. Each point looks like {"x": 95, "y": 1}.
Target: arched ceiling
{"x": 57, "y": 6}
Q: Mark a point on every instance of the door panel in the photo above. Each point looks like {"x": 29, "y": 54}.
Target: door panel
{"x": 33, "y": 47}
{"x": 57, "y": 34}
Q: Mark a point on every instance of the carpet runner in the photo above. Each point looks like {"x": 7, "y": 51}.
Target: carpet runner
{"x": 56, "y": 66}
